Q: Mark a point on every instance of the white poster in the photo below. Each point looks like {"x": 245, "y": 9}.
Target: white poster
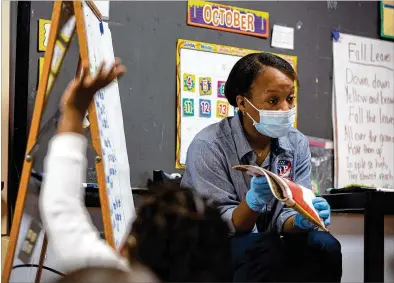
{"x": 111, "y": 130}
{"x": 103, "y": 7}
{"x": 363, "y": 106}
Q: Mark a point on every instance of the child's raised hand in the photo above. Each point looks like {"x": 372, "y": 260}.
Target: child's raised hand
{"x": 80, "y": 92}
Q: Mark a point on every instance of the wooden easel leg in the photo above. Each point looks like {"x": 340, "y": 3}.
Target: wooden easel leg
{"x": 42, "y": 258}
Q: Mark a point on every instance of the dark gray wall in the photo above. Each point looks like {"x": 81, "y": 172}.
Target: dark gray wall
{"x": 145, "y": 34}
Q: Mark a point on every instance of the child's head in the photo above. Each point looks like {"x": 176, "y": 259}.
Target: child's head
{"x": 106, "y": 274}
{"x": 179, "y": 236}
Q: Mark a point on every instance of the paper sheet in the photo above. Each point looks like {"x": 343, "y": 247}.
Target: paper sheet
{"x": 283, "y": 37}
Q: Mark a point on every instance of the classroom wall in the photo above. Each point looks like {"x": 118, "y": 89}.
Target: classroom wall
{"x": 146, "y": 42}
{"x": 144, "y": 36}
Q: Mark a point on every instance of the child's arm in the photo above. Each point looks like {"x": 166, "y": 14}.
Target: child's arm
{"x": 70, "y": 231}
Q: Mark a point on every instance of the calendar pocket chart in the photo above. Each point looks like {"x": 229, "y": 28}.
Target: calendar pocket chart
{"x": 202, "y": 71}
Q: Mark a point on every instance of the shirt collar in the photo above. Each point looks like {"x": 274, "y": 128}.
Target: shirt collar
{"x": 282, "y": 144}
{"x": 242, "y": 145}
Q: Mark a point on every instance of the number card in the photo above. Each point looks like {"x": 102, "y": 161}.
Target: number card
{"x": 205, "y": 108}
{"x": 189, "y": 82}
{"x": 188, "y": 107}
{"x": 205, "y": 86}
{"x": 222, "y": 109}
{"x": 221, "y": 85}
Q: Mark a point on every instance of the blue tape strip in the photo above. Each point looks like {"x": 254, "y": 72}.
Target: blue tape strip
{"x": 335, "y": 34}
{"x": 101, "y": 28}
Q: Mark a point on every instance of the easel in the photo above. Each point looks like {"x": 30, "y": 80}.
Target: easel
{"x": 62, "y": 30}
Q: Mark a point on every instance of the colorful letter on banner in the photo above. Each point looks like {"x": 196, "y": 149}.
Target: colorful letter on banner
{"x": 227, "y": 18}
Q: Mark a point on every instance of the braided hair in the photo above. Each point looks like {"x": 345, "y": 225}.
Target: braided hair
{"x": 179, "y": 236}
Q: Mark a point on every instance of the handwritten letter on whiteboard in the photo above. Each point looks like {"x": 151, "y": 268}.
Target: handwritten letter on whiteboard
{"x": 364, "y": 111}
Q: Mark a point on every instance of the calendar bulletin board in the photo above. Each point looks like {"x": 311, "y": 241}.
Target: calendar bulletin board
{"x": 202, "y": 70}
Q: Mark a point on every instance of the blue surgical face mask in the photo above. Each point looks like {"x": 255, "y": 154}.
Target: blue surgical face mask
{"x": 274, "y": 123}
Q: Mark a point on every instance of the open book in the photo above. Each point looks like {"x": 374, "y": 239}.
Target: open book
{"x": 288, "y": 192}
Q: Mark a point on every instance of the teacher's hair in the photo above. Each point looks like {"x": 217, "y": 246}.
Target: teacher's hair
{"x": 246, "y": 70}
{"x": 179, "y": 236}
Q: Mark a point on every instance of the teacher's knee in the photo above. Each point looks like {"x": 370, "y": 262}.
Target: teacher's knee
{"x": 325, "y": 242}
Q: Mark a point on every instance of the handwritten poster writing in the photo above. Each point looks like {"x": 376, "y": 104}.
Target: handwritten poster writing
{"x": 364, "y": 111}
{"x": 111, "y": 131}
{"x": 227, "y": 18}
{"x": 202, "y": 71}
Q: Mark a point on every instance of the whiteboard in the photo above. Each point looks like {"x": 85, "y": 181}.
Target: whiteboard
{"x": 363, "y": 111}
{"x": 111, "y": 131}
{"x": 202, "y": 70}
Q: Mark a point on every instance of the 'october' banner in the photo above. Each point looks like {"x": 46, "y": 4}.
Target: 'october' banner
{"x": 227, "y": 18}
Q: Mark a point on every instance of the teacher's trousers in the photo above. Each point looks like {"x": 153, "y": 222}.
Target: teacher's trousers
{"x": 300, "y": 257}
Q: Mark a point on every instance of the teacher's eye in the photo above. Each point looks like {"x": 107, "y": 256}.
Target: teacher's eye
{"x": 291, "y": 99}
{"x": 273, "y": 101}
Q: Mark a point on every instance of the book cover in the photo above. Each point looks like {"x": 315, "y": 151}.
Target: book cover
{"x": 289, "y": 193}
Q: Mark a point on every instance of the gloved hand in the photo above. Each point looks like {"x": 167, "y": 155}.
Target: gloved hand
{"x": 323, "y": 209}
{"x": 259, "y": 194}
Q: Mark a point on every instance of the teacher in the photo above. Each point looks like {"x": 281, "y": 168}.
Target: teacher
{"x": 269, "y": 242}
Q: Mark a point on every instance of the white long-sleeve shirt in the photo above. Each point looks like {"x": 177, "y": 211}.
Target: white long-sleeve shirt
{"x": 71, "y": 233}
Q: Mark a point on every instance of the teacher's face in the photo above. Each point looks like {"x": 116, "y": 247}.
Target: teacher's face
{"x": 271, "y": 90}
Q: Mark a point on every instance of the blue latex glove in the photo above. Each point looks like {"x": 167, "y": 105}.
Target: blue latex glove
{"x": 323, "y": 209}
{"x": 259, "y": 194}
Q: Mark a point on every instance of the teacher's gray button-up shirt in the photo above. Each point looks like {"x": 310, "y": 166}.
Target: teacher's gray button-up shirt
{"x": 219, "y": 147}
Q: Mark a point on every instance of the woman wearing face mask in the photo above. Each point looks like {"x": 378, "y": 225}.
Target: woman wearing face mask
{"x": 261, "y": 86}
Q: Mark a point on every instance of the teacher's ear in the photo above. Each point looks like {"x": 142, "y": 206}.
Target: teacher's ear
{"x": 241, "y": 103}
